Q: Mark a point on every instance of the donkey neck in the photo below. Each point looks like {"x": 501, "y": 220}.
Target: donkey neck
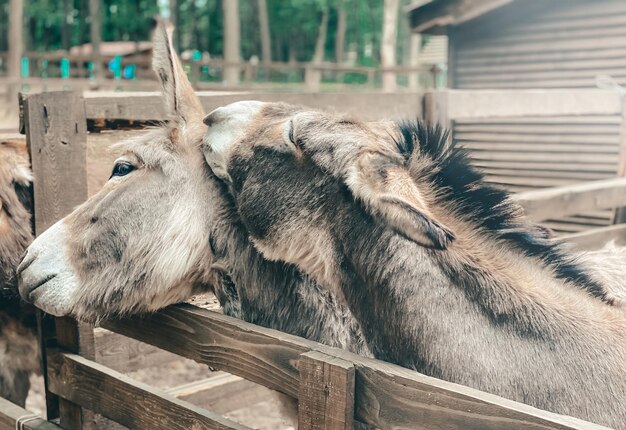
{"x": 421, "y": 297}
{"x": 277, "y": 295}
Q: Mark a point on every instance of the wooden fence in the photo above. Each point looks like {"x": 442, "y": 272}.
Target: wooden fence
{"x": 334, "y": 388}
{"x": 46, "y": 69}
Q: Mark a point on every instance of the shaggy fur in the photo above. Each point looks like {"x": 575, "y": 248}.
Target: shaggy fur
{"x": 162, "y": 232}
{"x": 443, "y": 272}
{"x": 18, "y": 344}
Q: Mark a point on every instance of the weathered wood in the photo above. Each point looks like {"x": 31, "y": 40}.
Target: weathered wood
{"x": 462, "y": 104}
{"x": 256, "y": 354}
{"x": 393, "y": 397}
{"x": 387, "y": 396}
{"x": 11, "y": 413}
{"x": 568, "y": 200}
{"x": 326, "y": 396}
{"x": 127, "y": 355}
{"x": 128, "y": 402}
{"x": 147, "y": 106}
{"x": 56, "y": 134}
{"x": 596, "y": 238}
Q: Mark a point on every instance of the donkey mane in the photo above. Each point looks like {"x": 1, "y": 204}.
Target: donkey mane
{"x": 463, "y": 188}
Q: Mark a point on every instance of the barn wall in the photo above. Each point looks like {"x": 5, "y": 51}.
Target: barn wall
{"x": 543, "y": 44}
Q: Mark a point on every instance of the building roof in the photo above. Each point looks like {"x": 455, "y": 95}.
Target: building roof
{"x": 436, "y": 16}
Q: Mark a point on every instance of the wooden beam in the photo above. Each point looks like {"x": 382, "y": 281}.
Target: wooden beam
{"x": 148, "y": 106}
{"x": 596, "y": 238}
{"x": 573, "y": 199}
{"x": 387, "y": 396}
{"x": 14, "y": 417}
{"x": 56, "y": 134}
{"x": 128, "y": 402}
{"x": 326, "y": 397}
{"x": 127, "y": 355}
{"x": 471, "y": 104}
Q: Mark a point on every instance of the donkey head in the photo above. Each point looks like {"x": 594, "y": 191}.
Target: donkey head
{"x": 15, "y": 209}
{"x": 140, "y": 243}
{"x": 298, "y": 176}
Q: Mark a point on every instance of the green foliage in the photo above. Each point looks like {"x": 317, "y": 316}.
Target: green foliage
{"x": 294, "y": 26}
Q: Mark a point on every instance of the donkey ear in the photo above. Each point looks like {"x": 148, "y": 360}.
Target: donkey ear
{"x": 389, "y": 193}
{"x": 181, "y": 101}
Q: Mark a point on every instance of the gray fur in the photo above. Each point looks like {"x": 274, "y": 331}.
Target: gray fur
{"x": 477, "y": 311}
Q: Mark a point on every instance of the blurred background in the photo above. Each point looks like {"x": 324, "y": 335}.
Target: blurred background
{"x": 283, "y": 45}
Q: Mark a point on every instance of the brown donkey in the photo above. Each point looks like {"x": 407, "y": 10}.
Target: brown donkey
{"x": 443, "y": 271}
{"x": 18, "y": 344}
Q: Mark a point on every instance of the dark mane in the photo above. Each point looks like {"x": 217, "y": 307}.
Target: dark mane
{"x": 491, "y": 209}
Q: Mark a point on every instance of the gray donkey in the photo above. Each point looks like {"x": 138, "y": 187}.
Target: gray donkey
{"x": 159, "y": 232}
{"x": 442, "y": 271}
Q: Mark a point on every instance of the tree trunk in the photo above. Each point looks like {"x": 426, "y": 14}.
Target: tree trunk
{"x": 415, "y": 46}
{"x": 66, "y": 30}
{"x": 232, "y": 48}
{"x": 96, "y": 37}
{"x": 388, "y": 44}
{"x": 174, "y": 22}
{"x": 266, "y": 41}
{"x": 318, "y": 55}
{"x": 16, "y": 44}
{"x": 340, "y": 40}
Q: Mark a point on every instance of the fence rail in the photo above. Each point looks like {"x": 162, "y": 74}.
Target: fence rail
{"x": 333, "y": 387}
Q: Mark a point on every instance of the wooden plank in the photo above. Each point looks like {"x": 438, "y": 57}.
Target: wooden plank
{"x": 596, "y": 238}
{"x": 387, "y": 396}
{"x": 127, "y": 355}
{"x": 128, "y": 402}
{"x": 590, "y": 139}
{"x": 56, "y": 134}
{"x": 326, "y": 396}
{"x": 14, "y": 417}
{"x": 392, "y": 397}
{"x": 147, "y": 106}
{"x": 463, "y": 104}
{"x": 553, "y": 202}
{"x": 228, "y": 344}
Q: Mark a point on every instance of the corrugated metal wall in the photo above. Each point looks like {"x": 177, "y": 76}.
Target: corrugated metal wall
{"x": 543, "y": 44}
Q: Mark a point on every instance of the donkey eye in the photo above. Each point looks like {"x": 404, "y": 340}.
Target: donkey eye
{"x": 122, "y": 169}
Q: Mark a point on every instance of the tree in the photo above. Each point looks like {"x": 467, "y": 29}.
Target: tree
{"x": 322, "y": 33}
{"x": 16, "y": 44}
{"x": 264, "y": 25}
{"x": 232, "y": 47}
{"x": 96, "y": 36}
{"x": 340, "y": 37}
{"x": 388, "y": 45}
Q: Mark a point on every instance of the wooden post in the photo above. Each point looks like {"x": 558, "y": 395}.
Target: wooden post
{"x": 619, "y": 215}
{"x": 388, "y": 44}
{"x": 415, "y": 47}
{"x": 266, "y": 41}
{"x": 56, "y": 133}
{"x": 326, "y": 394}
{"x": 96, "y": 38}
{"x": 16, "y": 45}
{"x": 232, "y": 48}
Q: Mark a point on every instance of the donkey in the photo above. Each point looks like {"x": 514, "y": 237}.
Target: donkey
{"x": 442, "y": 271}
{"x": 18, "y": 343}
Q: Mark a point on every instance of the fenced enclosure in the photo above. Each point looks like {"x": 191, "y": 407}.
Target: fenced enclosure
{"x": 333, "y": 388}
